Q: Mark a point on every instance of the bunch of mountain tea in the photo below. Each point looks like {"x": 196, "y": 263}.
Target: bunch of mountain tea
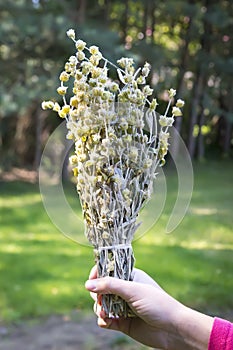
{"x": 119, "y": 142}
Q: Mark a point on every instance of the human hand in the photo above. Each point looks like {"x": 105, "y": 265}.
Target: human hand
{"x": 153, "y": 307}
{"x": 161, "y": 321}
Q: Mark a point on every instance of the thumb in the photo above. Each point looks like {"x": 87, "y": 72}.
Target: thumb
{"x": 111, "y": 285}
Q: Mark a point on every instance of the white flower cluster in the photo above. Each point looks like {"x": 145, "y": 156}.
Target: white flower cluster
{"x": 119, "y": 141}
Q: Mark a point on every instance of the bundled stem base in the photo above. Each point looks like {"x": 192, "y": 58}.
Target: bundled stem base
{"x": 115, "y": 262}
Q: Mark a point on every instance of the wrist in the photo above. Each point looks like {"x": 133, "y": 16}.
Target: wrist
{"x": 190, "y": 330}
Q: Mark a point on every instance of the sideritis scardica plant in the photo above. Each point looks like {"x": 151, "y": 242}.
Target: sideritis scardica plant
{"x": 119, "y": 142}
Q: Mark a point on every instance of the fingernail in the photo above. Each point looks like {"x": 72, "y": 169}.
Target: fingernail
{"x": 91, "y": 285}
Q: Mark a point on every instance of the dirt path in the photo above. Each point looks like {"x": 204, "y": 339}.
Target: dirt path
{"x": 76, "y": 332}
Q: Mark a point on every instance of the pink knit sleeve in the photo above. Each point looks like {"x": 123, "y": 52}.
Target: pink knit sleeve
{"x": 221, "y": 337}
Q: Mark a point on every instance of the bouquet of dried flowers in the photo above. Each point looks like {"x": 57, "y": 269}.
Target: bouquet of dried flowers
{"x": 119, "y": 142}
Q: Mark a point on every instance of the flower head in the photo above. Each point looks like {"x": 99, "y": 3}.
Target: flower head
{"x": 47, "y": 105}
{"x": 171, "y": 93}
{"x": 94, "y": 50}
{"x": 80, "y": 45}
{"x": 146, "y": 69}
{"x": 71, "y": 33}
{"x": 62, "y": 90}
{"x": 179, "y": 103}
{"x": 64, "y": 76}
{"x": 176, "y": 111}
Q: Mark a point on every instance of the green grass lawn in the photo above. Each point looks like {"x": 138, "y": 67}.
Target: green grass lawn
{"x": 42, "y": 272}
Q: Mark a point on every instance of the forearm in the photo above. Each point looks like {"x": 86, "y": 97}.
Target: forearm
{"x": 190, "y": 330}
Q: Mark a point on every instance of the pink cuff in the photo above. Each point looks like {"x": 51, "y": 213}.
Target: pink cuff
{"x": 221, "y": 336}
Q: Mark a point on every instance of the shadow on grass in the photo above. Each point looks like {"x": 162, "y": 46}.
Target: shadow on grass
{"x": 18, "y": 188}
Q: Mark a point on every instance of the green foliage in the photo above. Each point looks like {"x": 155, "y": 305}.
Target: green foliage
{"x": 28, "y": 37}
{"x": 188, "y": 44}
{"x": 41, "y": 272}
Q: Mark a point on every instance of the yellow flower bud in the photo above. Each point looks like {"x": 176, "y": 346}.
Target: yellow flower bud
{"x": 94, "y": 59}
{"x": 62, "y": 114}
{"x": 81, "y": 179}
{"x": 74, "y": 101}
{"x": 176, "y": 112}
{"x": 72, "y": 60}
{"x": 75, "y": 172}
{"x": 82, "y": 157}
{"x": 96, "y": 138}
{"x": 94, "y": 50}
{"x": 75, "y": 90}
{"x": 47, "y": 105}
{"x": 128, "y": 78}
{"x": 171, "y": 93}
{"x": 114, "y": 87}
{"x": 64, "y": 76}
{"x": 80, "y": 55}
{"x": 73, "y": 159}
{"x": 69, "y": 135}
{"x": 103, "y": 79}
{"x": 65, "y": 109}
{"x": 146, "y": 69}
{"x": 62, "y": 90}
{"x": 141, "y": 80}
{"x": 86, "y": 67}
{"x": 56, "y": 107}
{"x": 147, "y": 90}
{"x": 163, "y": 120}
{"x": 153, "y": 104}
{"x": 95, "y": 73}
{"x": 80, "y": 45}
{"x": 179, "y": 103}
{"x": 68, "y": 67}
{"x": 78, "y": 75}
{"x": 71, "y": 33}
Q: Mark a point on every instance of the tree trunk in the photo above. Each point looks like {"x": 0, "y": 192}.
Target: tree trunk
{"x": 23, "y": 140}
{"x": 125, "y": 20}
{"x": 200, "y": 83}
{"x": 200, "y": 139}
{"x": 180, "y": 79}
{"x": 38, "y": 147}
{"x": 153, "y": 20}
{"x": 226, "y": 125}
{"x": 81, "y": 14}
{"x": 197, "y": 92}
{"x": 146, "y": 16}
{"x": 1, "y": 143}
{"x": 107, "y": 7}
{"x": 227, "y": 138}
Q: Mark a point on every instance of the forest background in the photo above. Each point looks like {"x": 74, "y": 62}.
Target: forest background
{"x": 187, "y": 42}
